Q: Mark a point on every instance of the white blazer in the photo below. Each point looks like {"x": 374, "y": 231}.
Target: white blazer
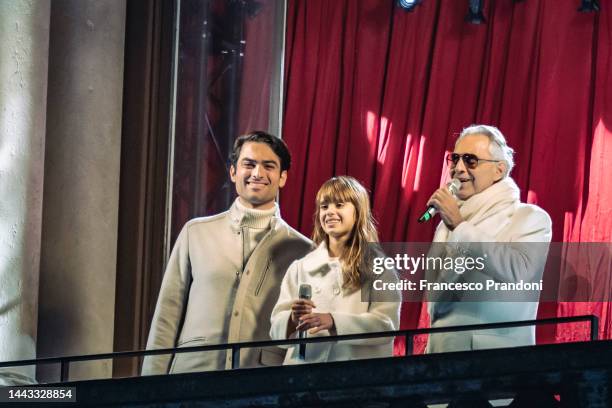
{"x": 351, "y": 315}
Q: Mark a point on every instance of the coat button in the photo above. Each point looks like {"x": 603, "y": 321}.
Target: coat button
{"x": 336, "y": 290}
{"x": 247, "y": 271}
{"x": 236, "y": 313}
{"x": 317, "y": 289}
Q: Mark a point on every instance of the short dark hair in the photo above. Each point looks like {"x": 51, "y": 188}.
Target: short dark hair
{"x": 276, "y": 144}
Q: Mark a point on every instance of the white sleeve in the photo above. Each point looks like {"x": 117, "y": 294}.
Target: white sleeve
{"x": 381, "y": 316}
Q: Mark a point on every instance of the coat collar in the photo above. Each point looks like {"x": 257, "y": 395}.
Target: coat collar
{"x": 318, "y": 261}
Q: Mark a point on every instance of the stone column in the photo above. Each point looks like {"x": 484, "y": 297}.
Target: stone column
{"x": 24, "y": 43}
{"x": 81, "y": 200}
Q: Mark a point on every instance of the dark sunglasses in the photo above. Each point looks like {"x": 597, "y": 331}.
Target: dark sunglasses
{"x": 470, "y": 160}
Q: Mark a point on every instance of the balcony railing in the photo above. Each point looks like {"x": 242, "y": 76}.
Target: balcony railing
{"x": 235, "y": 348}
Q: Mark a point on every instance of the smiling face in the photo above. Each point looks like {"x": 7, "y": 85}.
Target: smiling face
{"x": 337, "y": 218}
{"x": 473, "y": 181}
{"x": 257, "y": 175}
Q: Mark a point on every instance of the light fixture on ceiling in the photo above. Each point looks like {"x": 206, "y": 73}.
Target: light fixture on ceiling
{"x": 474, "y": 15}
{"x": 589, "y": 6}
{"x": 408, "y": 5}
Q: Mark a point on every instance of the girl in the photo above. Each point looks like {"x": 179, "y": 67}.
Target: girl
{"x": 341, "y": 288}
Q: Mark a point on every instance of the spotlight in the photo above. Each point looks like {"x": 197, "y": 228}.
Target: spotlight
{"x": 589, "y": 6}
{"x": 408, "y": 5}
{"x": 474, "y": 15}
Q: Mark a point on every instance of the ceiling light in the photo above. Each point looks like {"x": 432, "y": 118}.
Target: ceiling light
{"x": 589, "y": 6}
{"x": 408, "y": 5}
{"x": 474, "y": 15}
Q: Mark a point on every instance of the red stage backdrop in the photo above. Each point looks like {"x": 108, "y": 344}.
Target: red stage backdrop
{"x": 381, "y": 94}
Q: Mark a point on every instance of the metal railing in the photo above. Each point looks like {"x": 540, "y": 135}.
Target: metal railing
{"x": 236, "y": 347}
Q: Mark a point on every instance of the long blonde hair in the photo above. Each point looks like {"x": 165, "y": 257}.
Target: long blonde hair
{"x": 347, "y": 189}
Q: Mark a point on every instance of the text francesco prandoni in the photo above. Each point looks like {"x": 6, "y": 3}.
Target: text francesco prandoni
{"x": 404, "y": 263}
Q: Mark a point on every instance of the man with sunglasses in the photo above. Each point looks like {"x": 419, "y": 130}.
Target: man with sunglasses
{"x": 486, "y": 219}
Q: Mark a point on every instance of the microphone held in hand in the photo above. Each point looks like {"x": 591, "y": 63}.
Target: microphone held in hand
{"x": 305, "y": 293}
{"x": 453, "y": 187}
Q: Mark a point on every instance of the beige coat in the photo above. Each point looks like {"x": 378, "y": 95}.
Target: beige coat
{"x": 207, "y": 297}
{"x": 353, "y": 312}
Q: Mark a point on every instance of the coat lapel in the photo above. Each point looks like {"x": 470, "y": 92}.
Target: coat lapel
{"x": 317, "y": 261}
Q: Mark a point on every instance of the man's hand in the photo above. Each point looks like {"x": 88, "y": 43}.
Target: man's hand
{"x": 316, "y": 322}
{"x": 447, "y": 207}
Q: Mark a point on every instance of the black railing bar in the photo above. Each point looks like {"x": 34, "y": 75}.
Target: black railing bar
{"x": 235, "y": 356}
{"x": 64, "y": 370}
{"x": 594, "y": 327}
{"x": 409, "y": 345}
{"x": 307, "y": 340}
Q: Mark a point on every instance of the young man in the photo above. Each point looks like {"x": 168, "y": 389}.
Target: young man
{"x": 224, "y": 274}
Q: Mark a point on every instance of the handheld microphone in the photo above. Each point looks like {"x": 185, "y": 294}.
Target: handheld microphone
{"x": 305, "y": 292}
{"x": 453, "y": 187}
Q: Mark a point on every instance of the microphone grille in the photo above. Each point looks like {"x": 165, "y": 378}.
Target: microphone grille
{"x": 454, "y": 186}
{"x": 305, "y": 291}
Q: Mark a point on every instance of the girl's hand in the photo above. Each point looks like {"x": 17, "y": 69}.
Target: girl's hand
{"x": 316, "y": 322}
{"x": 300, "y": 308}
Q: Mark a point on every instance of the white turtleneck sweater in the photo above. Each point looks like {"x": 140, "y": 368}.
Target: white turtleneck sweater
{"x": 254, "y": 224}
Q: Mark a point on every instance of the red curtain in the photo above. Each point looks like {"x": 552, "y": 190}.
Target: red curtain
{"x": 378, "y": 93}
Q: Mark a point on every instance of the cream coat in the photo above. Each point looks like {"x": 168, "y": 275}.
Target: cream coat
{"x": 525, "y": 231}
{"x": 350, "y": 312}
{"x": 208, "y": 297}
